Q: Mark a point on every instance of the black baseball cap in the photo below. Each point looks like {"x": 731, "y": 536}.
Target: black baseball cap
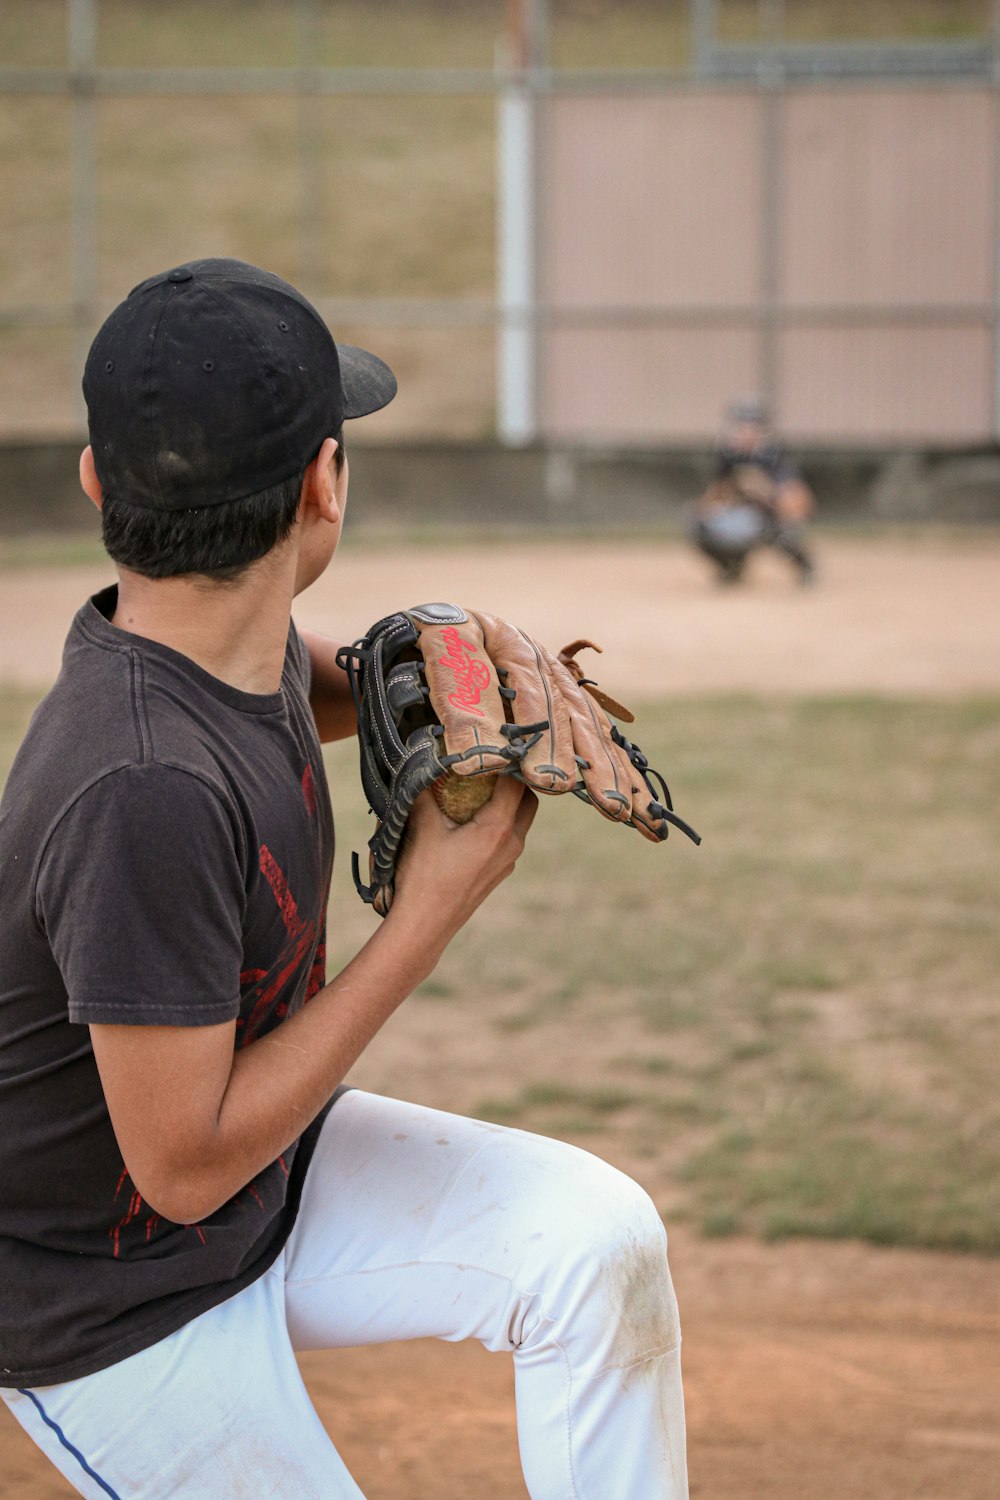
{"x": 216, "y": 380}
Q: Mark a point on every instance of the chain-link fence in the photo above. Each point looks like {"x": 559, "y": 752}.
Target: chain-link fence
{"x": 567, "y": 221}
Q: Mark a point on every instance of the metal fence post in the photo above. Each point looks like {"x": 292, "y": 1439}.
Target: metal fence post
{"x": 771, "y": 95}
{"x": 312, "y": 265}
{"x": 995, "y": 86}
{"x": 517, "y": 227}
{"x": 82, "y": 56}
{"x": 703, "y": 31}
{"x": 771, "y": 21}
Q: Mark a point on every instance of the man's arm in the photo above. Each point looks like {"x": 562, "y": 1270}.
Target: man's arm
{"x": 717, "y": 493}
{"x": 196, "y": 1122}
{"x": 794, "y": 500}
{"x": 330, "y": 692}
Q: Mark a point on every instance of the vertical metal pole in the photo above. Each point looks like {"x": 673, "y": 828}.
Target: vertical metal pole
{"x": 517, "y": 249}
{"x": 704, "y": 22}
{"x": 771, "y": 21}
{"x": 82, "y": 51}
{"x": 310, "y": 144}
{"x": 771, "y": 97}
{"x": 539, "y": 32}
{"x": 995, "y": 81}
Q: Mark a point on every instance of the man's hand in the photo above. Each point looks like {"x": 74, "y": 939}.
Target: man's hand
{"x": 447, "y": 871}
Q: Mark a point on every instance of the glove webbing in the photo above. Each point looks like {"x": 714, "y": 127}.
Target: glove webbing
{"x": 659, "y": 807}
{"x": 364, "y": 666}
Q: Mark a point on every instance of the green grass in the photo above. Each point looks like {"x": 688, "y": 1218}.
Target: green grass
{"x": 791, "y": 1030}
{"x": 861, "y": 20}
{"x": 46, "y": 550}
{"x": 84, "y": 548}
{"x": 794, "y": 1028}
{"x": 446, "y": 33}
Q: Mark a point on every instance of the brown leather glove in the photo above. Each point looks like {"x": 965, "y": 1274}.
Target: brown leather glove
{"x": 451, "y": 698}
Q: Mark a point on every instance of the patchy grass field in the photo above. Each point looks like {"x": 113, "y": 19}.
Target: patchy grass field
{"x": 792, "y": 1030}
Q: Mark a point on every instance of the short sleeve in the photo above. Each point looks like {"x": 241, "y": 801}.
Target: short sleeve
{"x": 141, "y": 894}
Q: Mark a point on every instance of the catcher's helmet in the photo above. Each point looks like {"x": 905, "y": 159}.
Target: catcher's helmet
{"x": 748, "y": 409}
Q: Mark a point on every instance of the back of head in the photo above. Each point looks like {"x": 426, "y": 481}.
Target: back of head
{"x": 209, "y": 390}
{"x": 746, "y": 425}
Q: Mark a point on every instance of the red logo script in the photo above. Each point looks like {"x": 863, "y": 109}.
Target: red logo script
{"x": 471, "y": 675}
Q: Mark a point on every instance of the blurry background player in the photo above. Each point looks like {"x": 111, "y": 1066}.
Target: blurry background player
{"x": 756, "y": 498}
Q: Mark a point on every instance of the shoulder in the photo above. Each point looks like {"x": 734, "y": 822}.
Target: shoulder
{"x": 159, "y": 800}
{"x": 135, "y": 824}
{"x": 778, "y": 462}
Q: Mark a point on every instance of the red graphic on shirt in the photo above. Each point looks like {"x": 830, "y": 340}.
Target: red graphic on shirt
{"x": 136, "y": 1204}
{"x": 132, "y": 1214}
{"x": 303, "y": 936}
{"x": 300, "y": 940}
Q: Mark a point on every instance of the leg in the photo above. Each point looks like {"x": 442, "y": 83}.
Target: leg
{"x": 790, "y": 539}
{"x": 416, "y": 1223}
{"x": 727, "y": 537}
{"x": 730, "y": 563}
{"x": 216, "y": 1409}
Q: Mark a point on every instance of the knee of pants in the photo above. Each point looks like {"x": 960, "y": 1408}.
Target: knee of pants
{"x": 604, "y": 1265}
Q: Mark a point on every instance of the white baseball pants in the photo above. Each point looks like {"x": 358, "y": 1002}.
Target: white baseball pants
{"x": 413, "y": 1223}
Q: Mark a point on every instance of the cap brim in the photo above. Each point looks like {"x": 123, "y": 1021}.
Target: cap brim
{"x": 368, "y": 382}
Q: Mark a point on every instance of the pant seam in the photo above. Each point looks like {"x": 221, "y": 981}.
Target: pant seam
{"x": 569, "y": 1425}
{"x": 51, "y": 1423}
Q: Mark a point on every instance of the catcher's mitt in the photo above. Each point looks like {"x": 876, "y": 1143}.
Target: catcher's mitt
{"x": 450, "y": 699}
{"x": 754, "y": 483}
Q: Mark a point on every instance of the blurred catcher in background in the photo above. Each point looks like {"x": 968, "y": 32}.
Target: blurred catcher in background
{"x": 756, "y": 498}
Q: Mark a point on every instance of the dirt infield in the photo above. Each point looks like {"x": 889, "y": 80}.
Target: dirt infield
{"x": 813, "y": 1370}
{"x": 886, "y": 617}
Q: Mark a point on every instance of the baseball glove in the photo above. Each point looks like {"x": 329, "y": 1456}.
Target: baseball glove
{"x": 450, "y": 699}
{"x": 754, "y": 483}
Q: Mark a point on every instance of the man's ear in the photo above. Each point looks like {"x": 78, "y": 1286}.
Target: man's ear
{"x": 88, "y": 477}
{"x": 319, "y": 485}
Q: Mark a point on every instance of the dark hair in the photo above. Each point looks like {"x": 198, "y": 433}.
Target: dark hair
{"x": 218, "y": 541}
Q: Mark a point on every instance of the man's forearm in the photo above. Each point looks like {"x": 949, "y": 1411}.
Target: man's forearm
{"x": 279, "y": 1083}
{"x": 196, "y": 1122}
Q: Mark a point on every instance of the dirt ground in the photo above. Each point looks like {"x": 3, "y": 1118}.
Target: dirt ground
{"x": 813, "y": 1370}
{"x": 916, "y": 616}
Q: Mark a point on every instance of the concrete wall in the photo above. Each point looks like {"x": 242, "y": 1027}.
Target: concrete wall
{"x": 834, "y": 248}
{"x": 459, "y": 485}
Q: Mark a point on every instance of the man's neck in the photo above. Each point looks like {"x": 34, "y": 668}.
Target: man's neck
{"x": 237, "y": 632}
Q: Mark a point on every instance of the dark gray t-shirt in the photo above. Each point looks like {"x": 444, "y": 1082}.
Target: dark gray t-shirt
{"x": 166, "y": 842}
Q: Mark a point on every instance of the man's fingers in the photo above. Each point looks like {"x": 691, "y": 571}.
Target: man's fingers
{"x": 525, "y": 815}
{"x": 503, "y": 805}
{"x": 512, "y": 806}
{"x": 424, "y": 808}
